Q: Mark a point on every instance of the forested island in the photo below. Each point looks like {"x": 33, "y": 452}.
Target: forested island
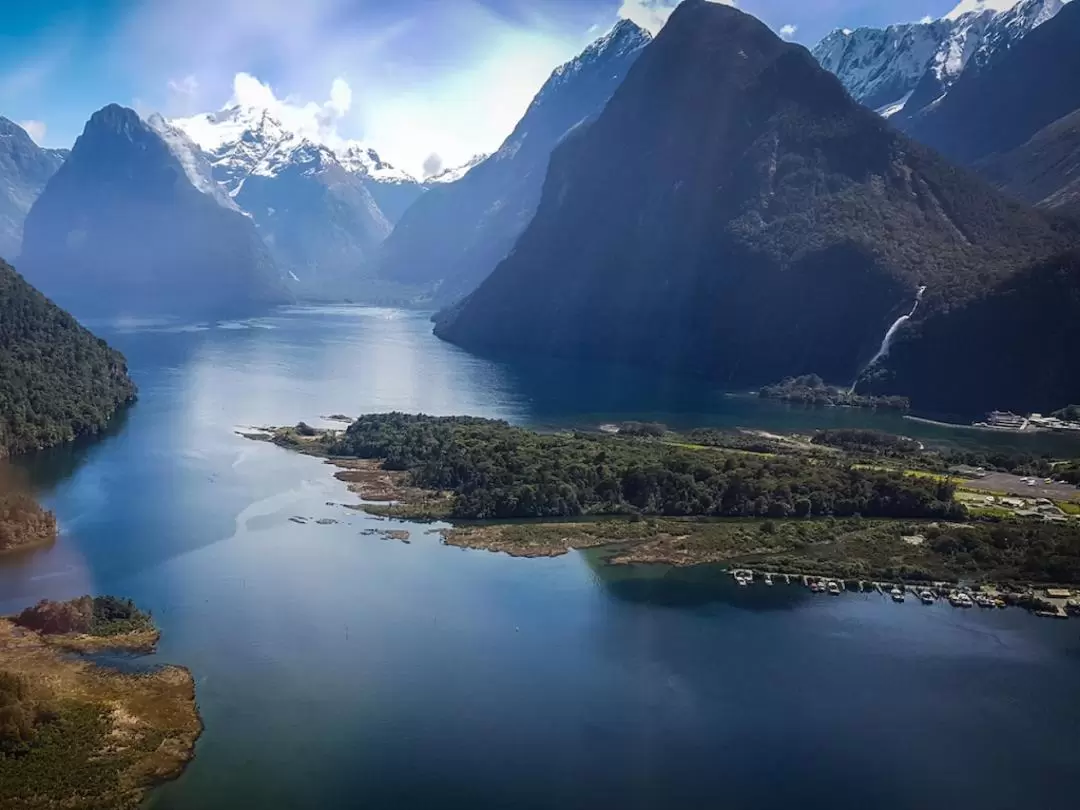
{"x": 77, "y": 735}
{"x": 810, "y": 389}
{"x": 839, "y": 502}
{"x": 23, "y": 523}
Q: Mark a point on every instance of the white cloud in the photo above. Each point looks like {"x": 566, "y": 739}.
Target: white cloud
{"x": 187, "y": 86}
{"x": 35, "y": 129}
{"x": 788, "y": 31}
{"x": 452, "y": 81}
{"x": 652, "y": 14}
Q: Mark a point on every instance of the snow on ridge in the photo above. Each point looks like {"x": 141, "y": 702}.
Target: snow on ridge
{"x": 879, "y": 66}
{"x": 980, "y": 7}
{"x": 455, "y": 173}
{"x": 891, "y": 109}
{"x": 359, "y": 158}
{"x": 249, "y": 140}
{"x": 191, "y": 159}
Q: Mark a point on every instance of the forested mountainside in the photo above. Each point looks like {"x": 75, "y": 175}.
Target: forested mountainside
{"x": 120, "y": 228}
{"x": 25, "y": 168}
{"x": 1001, "y": 106}
{"x": 777, "y": 227}
{"x": 57, "y": 381}
{"x": 1014, "y": 348}
{"x": 1045, "y": 170}
{"x": 453, "y": 236}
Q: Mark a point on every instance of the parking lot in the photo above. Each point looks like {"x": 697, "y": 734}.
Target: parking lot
{"x": 1005, "y": 483}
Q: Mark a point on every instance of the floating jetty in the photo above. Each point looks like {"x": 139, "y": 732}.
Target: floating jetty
{"x": 988, "y": 597}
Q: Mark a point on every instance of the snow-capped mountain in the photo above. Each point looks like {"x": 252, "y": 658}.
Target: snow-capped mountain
{"x": 455, "y": 173}
{"x": 321, "y": 211}
{"x": 907, "y": 66}
{"x": 25, "y": 168}
{"x": 242, "y": 142}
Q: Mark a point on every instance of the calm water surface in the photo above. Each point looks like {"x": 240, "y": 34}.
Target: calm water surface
{"x": 336, "y": 669}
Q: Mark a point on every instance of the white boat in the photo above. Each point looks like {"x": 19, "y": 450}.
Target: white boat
{"x": 743, "y": 578}
{"x": 896, "y": 594}
{"x": 927, "y": 597}
{"x": 960, "y": 599}
{"x": 768, "y": 579}
{"x": 834, "y": 588}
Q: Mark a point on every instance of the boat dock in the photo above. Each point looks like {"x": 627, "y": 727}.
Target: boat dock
{"x": 1058, "y": 603}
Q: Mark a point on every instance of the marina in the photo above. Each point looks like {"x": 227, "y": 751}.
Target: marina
{"x": 1046, "y": 602}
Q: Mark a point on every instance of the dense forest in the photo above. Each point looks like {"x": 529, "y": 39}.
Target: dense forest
{"x": 57, "y": 381}
{"x": 810, "y": 389}
{"x": 867, "y": 442}
{"x": 498, "y": 471}
{"x": 95, "y": 616}
{"x": 22, "y": 521}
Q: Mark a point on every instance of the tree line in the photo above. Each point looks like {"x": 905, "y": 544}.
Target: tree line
{"x": 495, "y": 470}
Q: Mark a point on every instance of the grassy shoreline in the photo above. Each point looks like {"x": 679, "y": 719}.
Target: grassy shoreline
{"x": 897, "y": 549}
{"x": 88, "y": 736}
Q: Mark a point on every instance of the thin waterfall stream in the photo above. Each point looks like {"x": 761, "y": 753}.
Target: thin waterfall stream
{"x": 886, "y": 342}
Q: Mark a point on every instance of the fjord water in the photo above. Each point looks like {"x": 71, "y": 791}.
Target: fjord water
{"x": 339, "y": 669}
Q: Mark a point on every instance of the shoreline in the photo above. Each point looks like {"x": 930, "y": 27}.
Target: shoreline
{"x": 32, "y": 545}
{"x": 121, "y": 734}
{"x": 882, "y": 549}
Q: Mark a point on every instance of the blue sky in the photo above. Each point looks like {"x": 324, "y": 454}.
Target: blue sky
{"x": 448, "y": 77}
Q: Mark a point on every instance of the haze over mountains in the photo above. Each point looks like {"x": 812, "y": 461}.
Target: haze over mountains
{"x": 25, "y": 168}
{"x": 453, "y": 238}
{"x": 120, "y": 228}
{"x": 712, "y": 201}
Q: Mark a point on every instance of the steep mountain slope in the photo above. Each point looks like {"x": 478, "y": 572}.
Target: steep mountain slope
{"x": 393, "y": 189}
{"x": 25, "y": 168}
{"x": 1011, "y": 349}
{"x": 455, "y": 234}
{"x": 57, "y": 381}
{"x": 734, "y": 212}
{"x": 1002, "y": 105}
{"x": 901, "y": 69}
{"x": 121, "y": 229}
{"x": 314, "y": 209}
{"x": 1044, "y": 171}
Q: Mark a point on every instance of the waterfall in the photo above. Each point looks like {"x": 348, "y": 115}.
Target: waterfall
{"x": 886, "y": 342}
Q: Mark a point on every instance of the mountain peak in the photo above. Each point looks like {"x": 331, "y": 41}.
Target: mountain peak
{"x": 115, "y": 118}
{"x": 624, "y": 34}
